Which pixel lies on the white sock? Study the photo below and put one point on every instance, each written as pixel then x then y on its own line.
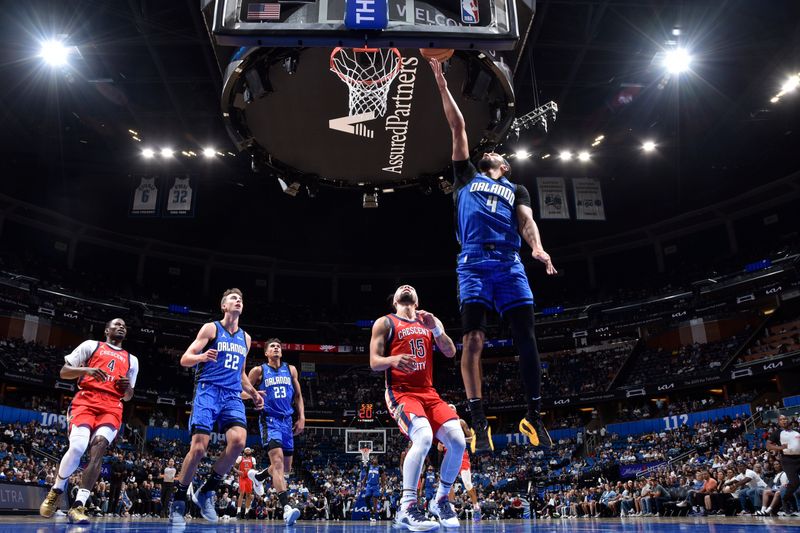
pixel 443 490
pixel 421 436
pixel 452 436
pixel 83 496
pixel 78 442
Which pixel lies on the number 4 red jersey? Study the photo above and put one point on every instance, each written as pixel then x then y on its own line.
pixel 410 337
pixel 115 362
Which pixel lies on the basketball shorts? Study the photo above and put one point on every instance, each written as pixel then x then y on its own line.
pixel 424 403
pixel 216 405
pixel 245 485
pixel 276 432
pixel 93 409
pixel 493 278
pixel 372 491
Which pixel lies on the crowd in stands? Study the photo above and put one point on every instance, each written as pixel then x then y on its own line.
pixel 660 407
pixel 776 340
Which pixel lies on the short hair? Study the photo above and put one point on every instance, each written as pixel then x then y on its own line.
pixel 228 293
pixel 270 341
pixel 108 324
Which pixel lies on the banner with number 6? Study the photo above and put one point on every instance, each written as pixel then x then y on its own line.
pixel 144 200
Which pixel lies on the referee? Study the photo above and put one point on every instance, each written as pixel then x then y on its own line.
pixel 787 441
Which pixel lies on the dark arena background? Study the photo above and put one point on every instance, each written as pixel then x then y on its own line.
pixel 158 152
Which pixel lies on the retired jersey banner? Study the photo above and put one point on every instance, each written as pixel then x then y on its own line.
pixel 180 198
pixel 552 198
pixel 588 199
pixel 145 197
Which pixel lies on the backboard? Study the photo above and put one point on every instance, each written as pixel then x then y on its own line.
pixel 459 24
pixel 355 439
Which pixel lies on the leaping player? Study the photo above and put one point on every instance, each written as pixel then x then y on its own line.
pixel 466 471
pixel 218 356
pixel 402 346
pixel 106 377
pixel 374 480
pixel 245 464
pixel 491 215
pixel 282 397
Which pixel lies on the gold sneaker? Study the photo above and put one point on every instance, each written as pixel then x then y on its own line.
pixel 77 515
pixel 50 504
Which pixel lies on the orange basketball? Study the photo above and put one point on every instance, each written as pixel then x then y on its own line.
pixel 439 54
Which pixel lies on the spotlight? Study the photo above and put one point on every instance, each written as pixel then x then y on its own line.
pixel 583 156
pixel 370 200
pixel 545 156
pixel 791 84
pixel 599 138
pixel 522 154
pixel 54 53
pixel 167 152
pixel 566 155
pixel 208 153
pixel 677 60
pixel 774 99
pixel 648 146
pixel 148 153
pixel 676 31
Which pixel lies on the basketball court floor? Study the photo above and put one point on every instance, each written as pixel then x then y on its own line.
pixel 18 524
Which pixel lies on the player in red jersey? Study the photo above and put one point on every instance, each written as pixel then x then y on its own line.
pixel 402 346
pixel 106 376
pixel 245 463
pixel 466 470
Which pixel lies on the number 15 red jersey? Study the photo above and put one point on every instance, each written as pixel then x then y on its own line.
pixel 410 337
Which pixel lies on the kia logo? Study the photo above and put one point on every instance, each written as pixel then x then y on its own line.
pixel 666 387
pixel 561 402
pixel 773 366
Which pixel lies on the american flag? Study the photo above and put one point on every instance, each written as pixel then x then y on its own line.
pixel 263 11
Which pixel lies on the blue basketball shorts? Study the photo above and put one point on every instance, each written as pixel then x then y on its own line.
pixel 493 278
pixel 213 404
pixel 372 491
pixel 276 432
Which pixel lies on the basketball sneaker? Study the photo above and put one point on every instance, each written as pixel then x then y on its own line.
pixel 533 427
pixel 443 510
pixel 50 504
pixel 205 501
pixel 77 515
pixel 481 438
pixel 258 486
pixel 414 519
pixel 290 515
pixel 176 513
pixel 476 514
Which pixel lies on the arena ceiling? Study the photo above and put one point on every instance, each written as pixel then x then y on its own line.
pixel 148 66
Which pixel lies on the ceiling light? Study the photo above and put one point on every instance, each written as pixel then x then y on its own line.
pixel 522 154
pixel 648 146
pixel 148 153
pixel 774 99
pixel 566 155
pixel 583 156
pixel 54 53
pixel 677 60
pixel 209 152
pixel 599 138
pixel 676 31
pixel 167 152
pixel 791 84
pixel 545 156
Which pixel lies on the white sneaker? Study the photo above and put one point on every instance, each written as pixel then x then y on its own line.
pixel 443 510
pixel 290 515
pixel 258 486
pixel 413 519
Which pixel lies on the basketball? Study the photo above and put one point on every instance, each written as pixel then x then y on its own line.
pixel 439 54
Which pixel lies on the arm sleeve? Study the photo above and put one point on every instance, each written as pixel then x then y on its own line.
pixel 133 372
pixel 463 172
pixel 81 354
pixel 522 196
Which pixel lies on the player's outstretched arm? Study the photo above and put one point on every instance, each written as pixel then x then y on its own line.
pixel 530 232
pixel 454 117
pixel 443 341
pixel 377 348
pixel 194 353
pixel 299 405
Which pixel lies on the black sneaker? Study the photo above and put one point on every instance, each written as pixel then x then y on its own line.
pixel 481 438
pixel 533 427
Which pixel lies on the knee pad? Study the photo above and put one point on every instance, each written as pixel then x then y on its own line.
pixel 79 439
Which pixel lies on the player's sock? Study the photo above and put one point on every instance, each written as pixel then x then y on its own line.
pixel 212 482
pixel 475 406
pixel 180 491
pixel 522 331
pixel 534 408
pixel 283 497
pixel 78 442
pixel 443 491
pixel 409 496
pixel 60 484
pixel 81 498
pixel 421 436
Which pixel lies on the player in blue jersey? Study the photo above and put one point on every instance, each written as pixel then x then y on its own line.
pixel 491 215
pixel 429 484
pixel 373 478
pixel 218 356
pixel 282 398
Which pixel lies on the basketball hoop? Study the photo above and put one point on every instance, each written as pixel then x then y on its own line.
pixel 368 73
pixel 365 454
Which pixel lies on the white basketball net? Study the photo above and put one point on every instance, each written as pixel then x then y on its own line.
pixel 365 455
pixel 368 73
